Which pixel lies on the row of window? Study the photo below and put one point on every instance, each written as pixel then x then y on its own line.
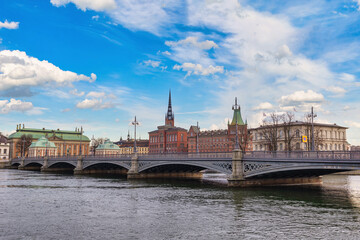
pixel 325 147
pixel 322 134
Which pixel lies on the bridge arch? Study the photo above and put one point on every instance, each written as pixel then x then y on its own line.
pixel 197 166
pixel 291 171
pixel 106 165
pixel 64 165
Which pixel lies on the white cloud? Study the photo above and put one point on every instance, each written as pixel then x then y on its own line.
pixel 152 63
pixel 336 90
pixel 76 93
pixel 347 77
pixel 358 3
pixel 193 41
pixel 95 104
pixel 264 106
pixel 299 97
pixel 20 70
pixel 166 53
pixel 9 25
pixel 96 17
pixel 146 15
pixel 14 105
pixel 96 94
pixel 97 5
pixel 198 69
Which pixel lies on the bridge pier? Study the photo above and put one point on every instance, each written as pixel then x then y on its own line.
pixel 133 173
pixel 237 176
pixel 45 165
pixel 79 166
pixel 22 164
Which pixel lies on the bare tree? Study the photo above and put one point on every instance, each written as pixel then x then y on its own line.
pixel 245 138
pixel 288 119
pixel 23 145
pixel 95 143
pixel 270 131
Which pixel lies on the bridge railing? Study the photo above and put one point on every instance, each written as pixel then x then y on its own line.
pixel 187 156
pixel 303 155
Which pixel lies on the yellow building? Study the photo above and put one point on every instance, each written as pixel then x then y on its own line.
pixel 127 147
pixel 67 142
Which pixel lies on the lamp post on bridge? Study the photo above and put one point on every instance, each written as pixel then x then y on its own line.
pixel 312 116
pixel 135 122
pixel 236 107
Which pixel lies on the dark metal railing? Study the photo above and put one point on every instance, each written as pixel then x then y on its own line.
pixel 303 155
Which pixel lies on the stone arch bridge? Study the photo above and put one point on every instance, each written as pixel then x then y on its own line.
pixel 244 169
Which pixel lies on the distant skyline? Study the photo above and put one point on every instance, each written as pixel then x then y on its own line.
pixel 98 63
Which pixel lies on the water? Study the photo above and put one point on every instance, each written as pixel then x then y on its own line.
pixel 35 205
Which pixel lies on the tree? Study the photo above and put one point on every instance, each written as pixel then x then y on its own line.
pixel 270 130
pixel 23 145
pixel 95 143
pixel 288 120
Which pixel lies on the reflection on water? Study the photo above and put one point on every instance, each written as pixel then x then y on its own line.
pixel 48 206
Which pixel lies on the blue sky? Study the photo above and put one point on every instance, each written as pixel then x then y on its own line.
pixel 98 63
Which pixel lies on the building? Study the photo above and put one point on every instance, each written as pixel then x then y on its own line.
pixel 107 148
pixel 127 146
pixel 220 140
pixel 168 138
pixel 66 142
pixel 42 147
pixel 327 137
pixel 4 148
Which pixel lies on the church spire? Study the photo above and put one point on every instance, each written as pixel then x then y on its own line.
pixel 169 117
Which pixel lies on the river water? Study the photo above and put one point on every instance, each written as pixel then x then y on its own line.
pixel 36 205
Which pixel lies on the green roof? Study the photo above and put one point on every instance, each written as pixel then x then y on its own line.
pixel 237 116
pixel 38 133
pixel 108 145
pixel 43 142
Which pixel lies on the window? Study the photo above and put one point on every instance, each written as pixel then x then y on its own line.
pixel 5 151
pixel 182 137
pixel 281 147
pixel 297 133
pixel 297 144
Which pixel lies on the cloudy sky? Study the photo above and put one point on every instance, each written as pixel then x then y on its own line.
pixel 98 63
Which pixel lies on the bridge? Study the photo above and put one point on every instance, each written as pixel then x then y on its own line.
pixel 242 169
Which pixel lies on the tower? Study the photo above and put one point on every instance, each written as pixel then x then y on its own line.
pixel 169 116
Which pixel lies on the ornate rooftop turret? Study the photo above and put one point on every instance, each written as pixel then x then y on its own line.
pixel 237 115
pixel 169 116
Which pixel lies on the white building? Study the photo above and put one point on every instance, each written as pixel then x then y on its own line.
pixel 327 137
pixel 4 148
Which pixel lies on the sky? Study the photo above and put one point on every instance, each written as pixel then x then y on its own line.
pixel 99 63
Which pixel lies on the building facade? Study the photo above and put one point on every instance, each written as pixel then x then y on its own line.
pixel 127 146
pixel 221 140
pixel 68 143
pixel 327 137
pixel 42 147
pixel 168 138
pixel 4 148
pixel 107 148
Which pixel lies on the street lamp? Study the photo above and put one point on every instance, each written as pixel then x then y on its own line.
pixel 312 116
pixel 236 107
pixel 81 132
pixel 135 123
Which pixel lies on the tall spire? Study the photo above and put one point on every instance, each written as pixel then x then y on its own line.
pixel 169 117
pixel 237 119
